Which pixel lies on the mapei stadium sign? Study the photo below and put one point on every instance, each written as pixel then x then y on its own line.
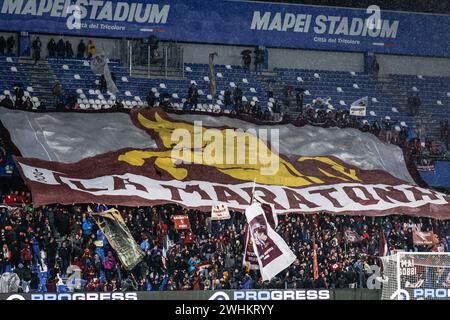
pixel 199 166
pixel 234 22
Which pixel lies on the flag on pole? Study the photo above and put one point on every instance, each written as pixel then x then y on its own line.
pixel 99 65
pixel 272 252
pixel 384 249
pixel 250 259
pixel 315 263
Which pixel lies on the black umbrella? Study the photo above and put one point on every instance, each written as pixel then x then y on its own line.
pixel 245 52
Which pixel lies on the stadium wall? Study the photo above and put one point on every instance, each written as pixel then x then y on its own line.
pixel 313 59
pixel 427 66
pixel 279 57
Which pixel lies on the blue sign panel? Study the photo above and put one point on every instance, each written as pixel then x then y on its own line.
pixel 236 23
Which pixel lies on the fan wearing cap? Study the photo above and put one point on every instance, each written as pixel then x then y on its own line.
pixel 365 126
pixel 388 126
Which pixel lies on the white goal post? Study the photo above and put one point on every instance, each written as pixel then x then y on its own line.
pixel 416 276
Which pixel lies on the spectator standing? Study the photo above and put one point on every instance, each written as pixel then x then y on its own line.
pixel 58 93
pixel 246 59
pixel 269 90
pixel 91 49
pixel 259 60
pixel 193 95
pixel 417 103
pixel 36 46
pixel 2 45
pixel 403 136
pixel 61 49
pixel 410 104
pixel 10 44
pixel 7 102
pixel 18 91
pixel 375 67
pixel 81 49
pixel 69 50
pixel 388 127
pixel 227 98
pixel 237 96
pixel 28 104
pixel 109 264
pixel 51 47
pixel 64 255
pixel 151 98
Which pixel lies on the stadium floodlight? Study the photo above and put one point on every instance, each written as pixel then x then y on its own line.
pixel 416 276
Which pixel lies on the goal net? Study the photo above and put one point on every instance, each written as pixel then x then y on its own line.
pixel 416 276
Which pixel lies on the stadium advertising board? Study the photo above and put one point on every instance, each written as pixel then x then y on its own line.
pixel 197 167
pixel 236 23
pixel 250 295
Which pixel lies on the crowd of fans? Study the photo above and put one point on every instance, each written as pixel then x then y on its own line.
pixel 62 49
pixel 46 246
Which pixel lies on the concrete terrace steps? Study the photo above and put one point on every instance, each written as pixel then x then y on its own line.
pixel 40 76
pixel 399 96
pixel 390 87
pixel 156 72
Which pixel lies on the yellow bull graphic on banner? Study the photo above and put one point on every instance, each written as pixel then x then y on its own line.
pixel 238 154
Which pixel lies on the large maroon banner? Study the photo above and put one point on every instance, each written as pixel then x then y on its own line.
pixel 191 166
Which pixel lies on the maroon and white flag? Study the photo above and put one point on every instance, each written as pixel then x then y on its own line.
pixel 272 252
pixel 250 259
pixel 424 238
pixel 351 236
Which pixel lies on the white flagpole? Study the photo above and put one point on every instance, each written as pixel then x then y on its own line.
pixel 253 192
